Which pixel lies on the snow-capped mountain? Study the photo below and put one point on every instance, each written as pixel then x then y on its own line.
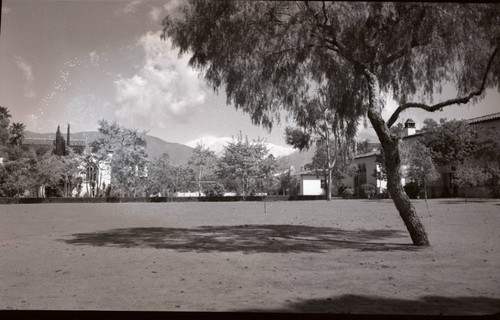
pixel 217 145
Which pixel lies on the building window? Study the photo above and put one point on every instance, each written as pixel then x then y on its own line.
pixel 92 173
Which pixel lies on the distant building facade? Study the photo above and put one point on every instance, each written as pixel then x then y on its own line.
pixel 95 175
pixel 442 187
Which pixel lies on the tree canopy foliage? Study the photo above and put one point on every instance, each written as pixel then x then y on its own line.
pixel 16 132
pixel 4 125
pixel 269 56
pixel 127 149
pixel 203 161
pixel 247 161
pixel 421 168
pixel 452 142
pixel 165 176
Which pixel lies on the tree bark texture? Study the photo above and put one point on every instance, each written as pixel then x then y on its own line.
pixel 329 185
pixel 393 163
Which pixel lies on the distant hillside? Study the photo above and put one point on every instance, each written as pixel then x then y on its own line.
pixel 297 159
pixel 217 145
pixel 177 152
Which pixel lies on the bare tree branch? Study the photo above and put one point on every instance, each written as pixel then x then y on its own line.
pixel 446 103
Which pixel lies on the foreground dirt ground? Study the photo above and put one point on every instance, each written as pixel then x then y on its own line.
pixel 343 256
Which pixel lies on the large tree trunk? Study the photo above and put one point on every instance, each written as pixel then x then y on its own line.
pixel 393 163
pixel 401 199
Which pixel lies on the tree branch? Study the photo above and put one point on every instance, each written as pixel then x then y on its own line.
pixel 325 21
pixel 343 52
pixel 446 103
pixel 413 44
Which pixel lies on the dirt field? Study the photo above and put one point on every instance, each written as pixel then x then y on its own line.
pixel 343 256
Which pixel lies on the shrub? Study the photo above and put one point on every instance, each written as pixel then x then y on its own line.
pixel 384 194
pixel 348 193
pixel 215 190
pixel 368 190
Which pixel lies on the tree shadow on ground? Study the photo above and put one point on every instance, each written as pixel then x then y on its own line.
pixel 245 238
pixel 426 305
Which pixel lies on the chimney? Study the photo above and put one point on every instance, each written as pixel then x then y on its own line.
pixel 410 127
pixel 67 139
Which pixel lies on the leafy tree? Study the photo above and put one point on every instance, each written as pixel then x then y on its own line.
pixel 129 159
pixel 157 174
pixel 452 142
pixel 165 176
pixel 215 190
pixel 487 154
pixel 398 130
pixel 17 133
pixel 327 117
pixel 421 168
pixel 18 174
pixel 469 176
pixel 59 143
pixel 181 178
pixel 4 125
pixel 246 161
pixel 430 124
pixel 493 178
pixel 335 169
pixel 364 147
pixel 289 184
pixel 267 54
pixel 204 161
pixel 60 173
pixel 368 190
pixel 268 183
pixel 16 178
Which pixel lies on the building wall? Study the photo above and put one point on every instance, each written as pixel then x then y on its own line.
pixel 371 167
pixel 310 185
pixel 437 188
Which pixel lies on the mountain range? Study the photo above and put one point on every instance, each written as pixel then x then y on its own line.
pixel 180 153
pixel 217 145
pixel 177 152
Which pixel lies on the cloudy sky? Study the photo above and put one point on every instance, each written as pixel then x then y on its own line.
pixel 80 61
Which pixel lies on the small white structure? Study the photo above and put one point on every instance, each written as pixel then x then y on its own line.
pixel 189 194
pixel 410 128
pixel 312 184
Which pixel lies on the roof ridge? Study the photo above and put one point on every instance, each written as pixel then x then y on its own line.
pixel 484 117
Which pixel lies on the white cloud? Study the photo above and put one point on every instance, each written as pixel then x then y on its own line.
pixel 131 7
pixel 163 89
pixel 155 13
pixel 171 7
pixel 28 76
pixel 94 58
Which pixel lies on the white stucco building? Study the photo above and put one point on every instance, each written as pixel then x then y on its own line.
pixel 312 184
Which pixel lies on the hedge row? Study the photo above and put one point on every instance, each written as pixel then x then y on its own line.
pixel 157 199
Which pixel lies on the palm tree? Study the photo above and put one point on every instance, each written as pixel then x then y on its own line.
pixel 16 131
pixel 4 115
